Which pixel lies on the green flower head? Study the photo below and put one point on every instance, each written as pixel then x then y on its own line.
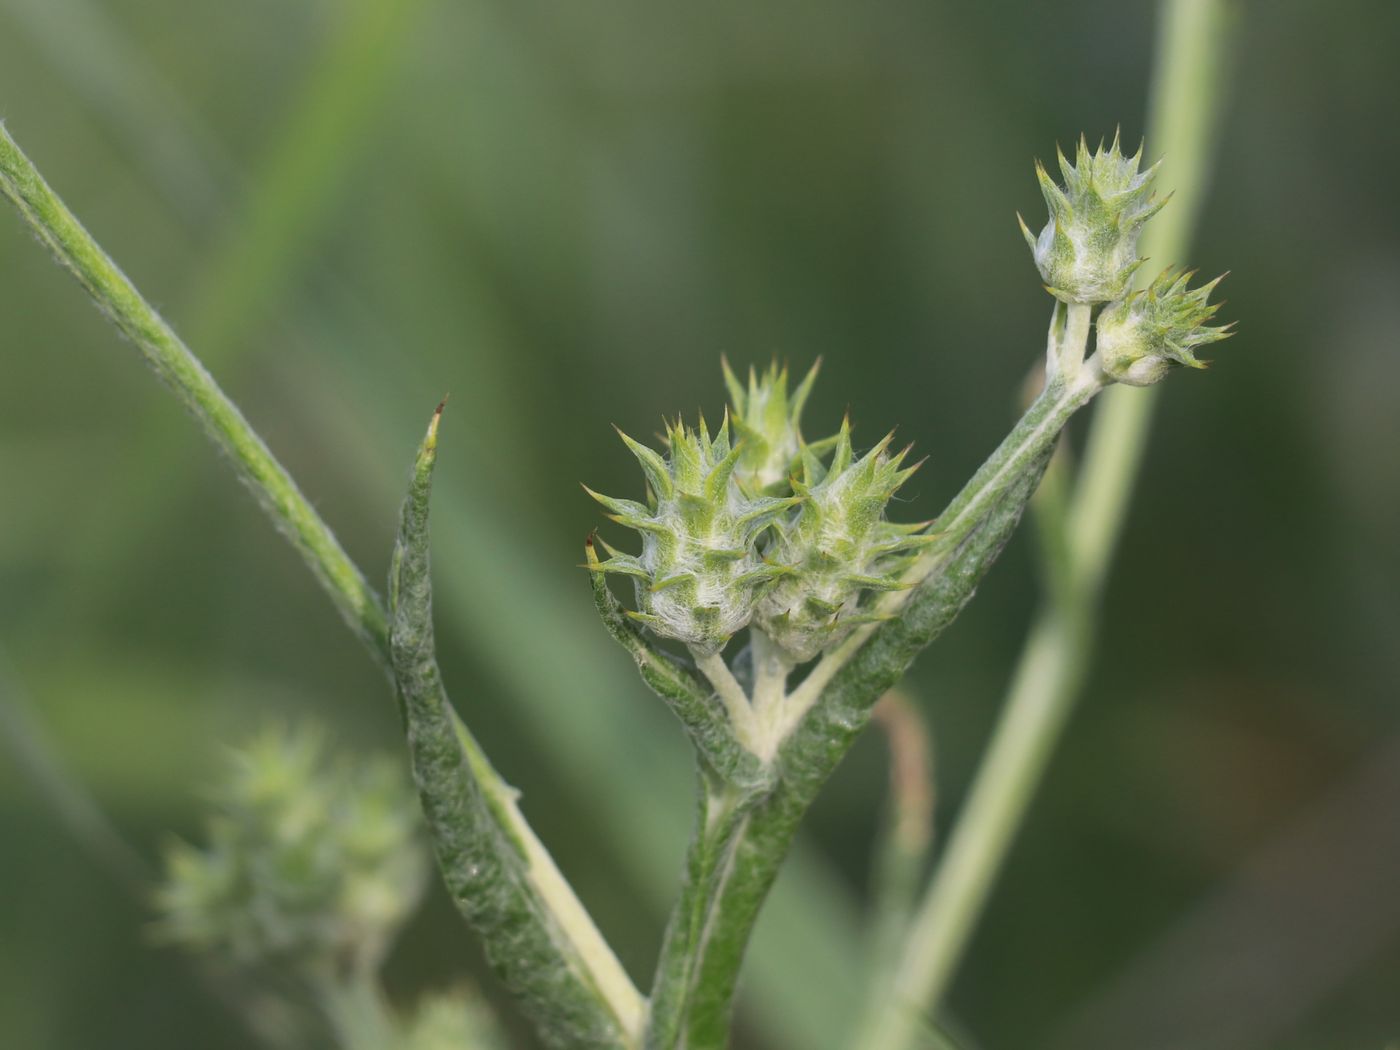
pixel 835 547
pixel 1144 336
pixel 1087 252
pixel 699 572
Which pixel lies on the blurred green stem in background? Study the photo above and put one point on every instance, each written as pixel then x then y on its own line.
pixel 906 835
pixel 1184 109
pixel 34 757
pixel 332 120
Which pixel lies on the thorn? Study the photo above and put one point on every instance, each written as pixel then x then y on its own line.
pixel 430 441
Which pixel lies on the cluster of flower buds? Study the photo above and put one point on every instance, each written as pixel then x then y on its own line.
pixel 311 866
pixel 1087 256
pixel 763 531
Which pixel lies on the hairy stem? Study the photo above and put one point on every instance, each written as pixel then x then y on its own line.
pixel 1028 440
pixel 685 1001
pixel 731 694
pixel 1051 668
pixel 740 842
pixel 770 677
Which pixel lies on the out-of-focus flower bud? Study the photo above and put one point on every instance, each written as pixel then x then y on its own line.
pixel 311 866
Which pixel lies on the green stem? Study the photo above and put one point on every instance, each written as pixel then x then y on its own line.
pixel 731 694
pixel 1028 440
pixel 180 370
pixel 359 1016
pixel 733 862
pixel 689 1009
pixel 1056 655
pixel 1026 445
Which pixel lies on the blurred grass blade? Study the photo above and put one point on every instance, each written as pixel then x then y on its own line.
pixel 333 119
pixel 537 935
pixel 82 40
pixel 181 371
pixel 34 756
pixel 905 839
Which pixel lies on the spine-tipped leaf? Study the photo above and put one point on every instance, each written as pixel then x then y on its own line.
pixel 687 697
pixel 536 934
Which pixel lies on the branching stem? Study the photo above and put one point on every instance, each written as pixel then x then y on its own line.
pixel 731 694
pixel 1185 106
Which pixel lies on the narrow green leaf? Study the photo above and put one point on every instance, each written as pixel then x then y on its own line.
pixel 537 935
pixel 692 701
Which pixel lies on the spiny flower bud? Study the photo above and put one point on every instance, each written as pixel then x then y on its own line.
pixel 836 546
pixel 1142 337
pixel 766 423
pixel 1087 252
pixel 699 572
pixel 311 866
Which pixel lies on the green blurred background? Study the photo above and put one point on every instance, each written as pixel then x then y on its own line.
pixel 562 214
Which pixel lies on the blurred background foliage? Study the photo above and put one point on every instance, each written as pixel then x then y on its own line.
pixel 563 214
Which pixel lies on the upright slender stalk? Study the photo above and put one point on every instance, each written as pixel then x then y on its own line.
pixel 1184 108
